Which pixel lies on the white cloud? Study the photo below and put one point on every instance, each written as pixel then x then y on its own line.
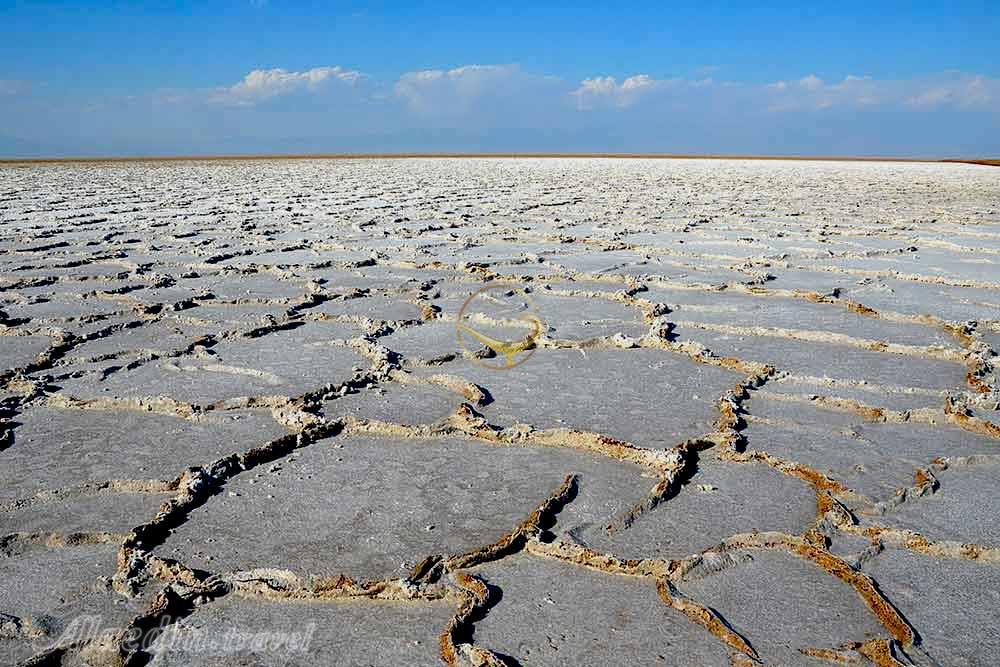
pixel 954 91
pixel 497 94
pixel 812 93
pixel 606 90
pixel 431 90
pixel 503 107
pixel 811 82
pixel 808 82
pixel 263 84
pixel 962 92
pixel 481 89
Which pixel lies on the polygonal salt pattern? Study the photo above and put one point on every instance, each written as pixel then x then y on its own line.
pixel 232 396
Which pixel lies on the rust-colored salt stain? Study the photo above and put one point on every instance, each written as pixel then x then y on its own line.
pixel 960 417
pixel 703 616
pixel 875 652
pixel 880 652
pixel 578 554
pixel 458 631
pixel 834 656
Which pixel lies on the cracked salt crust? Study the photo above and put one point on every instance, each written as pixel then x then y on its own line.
pixel 238 384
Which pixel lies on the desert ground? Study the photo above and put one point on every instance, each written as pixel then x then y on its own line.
pixel 238 425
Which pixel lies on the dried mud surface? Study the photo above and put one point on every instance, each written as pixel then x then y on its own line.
pixel 761 427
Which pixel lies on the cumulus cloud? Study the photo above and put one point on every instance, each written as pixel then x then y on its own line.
pixel 606 90
pixel 960 92
pixel 264 84
pixel 472 88
pixel 422 89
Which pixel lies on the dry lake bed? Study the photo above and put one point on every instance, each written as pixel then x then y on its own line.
pixel 239 424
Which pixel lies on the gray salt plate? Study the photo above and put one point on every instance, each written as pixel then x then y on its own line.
pixel 825 360
pixel 236 367
pixel 49 590
pixel 951 603
pixel 873 459
pixel 20 351
pixel 397 403
pixel 651 398
pixel 57 448
pixel 719 500
pixel 375 507
pixel 553 614
pixel 347 632
pixel 782 604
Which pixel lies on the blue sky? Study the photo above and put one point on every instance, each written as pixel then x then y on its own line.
pixel 267 76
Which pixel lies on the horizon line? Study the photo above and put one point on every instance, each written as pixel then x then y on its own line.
pixel 505 155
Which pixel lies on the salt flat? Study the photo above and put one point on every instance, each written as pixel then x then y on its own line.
pixel 760 425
